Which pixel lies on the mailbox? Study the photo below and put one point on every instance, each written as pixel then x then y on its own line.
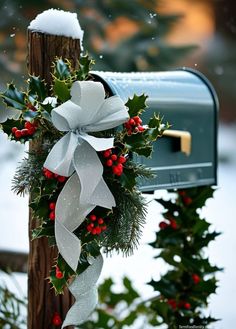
pixel 186 156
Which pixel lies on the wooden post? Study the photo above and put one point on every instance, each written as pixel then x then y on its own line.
pixel 42 302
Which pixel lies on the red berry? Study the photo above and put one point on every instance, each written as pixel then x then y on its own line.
pixel 141 128
pixel 196 278
pixel 127 125
pixel 163 225
pixel 114 157
pixel 121 159
pixel 89 228
pixel 52 205
pixel 59 274
pixel 14 129
pixel 109 163
pixel 131 122
pixel 187 306
pixel 94 231
pixel 52 215
pixel 187 200
pixel 107 153
pixel 28 125
pixel 31 130
pixel 182 193
pixel 100 221
pixel 18 133
pixel 98 230
pixel 93 217
pixel 61 179
pixel 129 132
pixel 172 303
pixel 25 132
pixel 173 224
pixel 118 169
pixel 47 173
pixel 103 227
pixel 137 120
pixel 56 320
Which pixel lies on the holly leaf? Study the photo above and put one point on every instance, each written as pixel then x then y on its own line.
pixel 62 89
pixel 136 105
pixel 29 115
pixel 37 88
pixel 61 70
pixel 46 229
pixel 12 97
pixel 85 65
pixel 138 144
pixel 128 178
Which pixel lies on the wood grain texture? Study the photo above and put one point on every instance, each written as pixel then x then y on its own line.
pixel 42 302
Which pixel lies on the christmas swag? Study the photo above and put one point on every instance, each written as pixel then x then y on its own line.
pixel 80 173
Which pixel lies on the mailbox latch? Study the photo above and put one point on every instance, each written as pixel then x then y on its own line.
pixel 185 139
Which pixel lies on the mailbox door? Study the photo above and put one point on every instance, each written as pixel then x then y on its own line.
pixel 188 102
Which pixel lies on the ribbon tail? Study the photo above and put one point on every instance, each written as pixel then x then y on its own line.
pixel 68 244
pixel 70 214
pixel 83 288
pixel 102 196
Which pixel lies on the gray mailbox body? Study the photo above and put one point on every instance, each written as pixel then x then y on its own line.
pixel 188 102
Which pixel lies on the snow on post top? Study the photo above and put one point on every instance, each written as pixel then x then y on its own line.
pixel 57 22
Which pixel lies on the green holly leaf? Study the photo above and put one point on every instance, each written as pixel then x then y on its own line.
pixel 161 309
pixel 61 70
pixel 37 88
pixel 30 115
pixel 61 89
pixel 165 287
pixel 46 229
pixel 85 65
pixel 128 178
pixel 136 105
pixel 14 98
pixel 139 144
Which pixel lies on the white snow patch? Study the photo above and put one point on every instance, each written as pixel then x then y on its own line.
pixel 58 22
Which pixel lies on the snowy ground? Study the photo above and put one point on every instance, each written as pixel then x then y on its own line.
pixel 220 211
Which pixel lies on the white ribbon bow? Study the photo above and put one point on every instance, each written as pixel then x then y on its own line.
pixel 87 111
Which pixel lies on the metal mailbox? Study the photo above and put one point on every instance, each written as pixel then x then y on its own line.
pixel 186 156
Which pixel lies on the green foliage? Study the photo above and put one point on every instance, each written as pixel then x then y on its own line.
pixel 126 222
pixel 12 309
pixel 37 88
pixel 181 241
pixel 13 97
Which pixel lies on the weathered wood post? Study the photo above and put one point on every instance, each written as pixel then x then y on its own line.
pixel 42 302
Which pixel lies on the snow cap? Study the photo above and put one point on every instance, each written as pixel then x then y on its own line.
pixel 58 22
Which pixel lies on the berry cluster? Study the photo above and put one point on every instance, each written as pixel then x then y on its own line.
pixel 114 161
pixel 96 225
pixel 172 223
pixel 50 175
pixel 56 320
pixel 59 273
pixel 29 130
pixel 52 206
pixel 185 198
pixel 182 304
pixel 134 125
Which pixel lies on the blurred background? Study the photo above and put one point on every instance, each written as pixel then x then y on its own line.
pixel 138 35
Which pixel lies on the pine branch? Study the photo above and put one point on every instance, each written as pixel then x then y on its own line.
pixel 126 223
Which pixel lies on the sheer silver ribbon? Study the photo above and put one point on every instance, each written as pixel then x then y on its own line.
pixel 75 155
